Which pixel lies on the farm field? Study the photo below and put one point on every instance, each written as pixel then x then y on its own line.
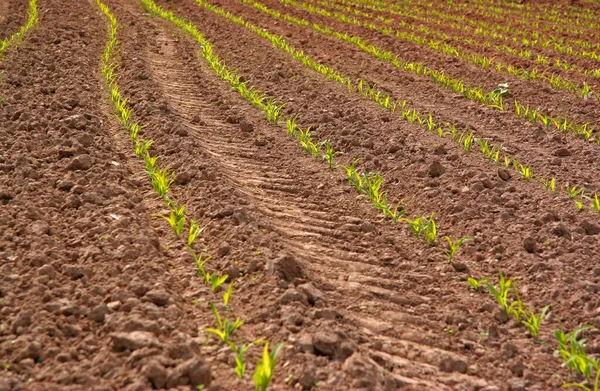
pixel 299 195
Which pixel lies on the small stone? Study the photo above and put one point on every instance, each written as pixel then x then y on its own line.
pixel 562 152
pixel 183 178
pixel 224 212
pixel 327 313
pixel 394 147
pixel 307 379
pixel 501 316
pixel 529 244
pixel 65 185
pixel 288 267
pixel 560 229
pixel 516 385
pixel 305 343
pixel 23 319
pixel 158 297
pixel 517 368
pixel 180 131
pixel 39 228
pixel 460 267
pixel 503 174
pixel 325 343
pixel 224 249
pixel 368 227
pixel 436 169
pixel 245 126
pixel 47 270
pixel 98 313
pixel 32 351
pixel 509 349
pixel 440 150
pixel 450 364
pixel 590 228
pixel 156 374
pixel 134 340
pixel 312 293
pixel 81 162
pixel 292 295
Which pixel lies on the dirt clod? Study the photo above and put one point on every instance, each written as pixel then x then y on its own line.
pixel 436 169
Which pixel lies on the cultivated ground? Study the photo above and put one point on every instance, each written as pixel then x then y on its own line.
pixel 98 292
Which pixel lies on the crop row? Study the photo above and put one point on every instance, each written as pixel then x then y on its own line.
pixel 571 348
pixel 499 24
pixel 465 139
pixel 525 37
pixel 527 17
pixel 368 184
pixel 349 6
pixel 493 99
pixel 15 38
pixel 424 227
pixel 555 12
pixel 161 180
pixel 553 79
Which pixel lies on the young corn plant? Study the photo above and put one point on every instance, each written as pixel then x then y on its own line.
pixel 227 294
pixel 266 367
pixel 548 185
pixel 226 328
pixel 595 203
pixel 573 191
pixel 216 281
pixel 477 284
pixel 240 362
pixel 571 350
pixel 200 261
pixel 525 171
pixel 176 219
pixel 195 230
pixel 533 321
pixel 330 154
pixel 273 111
pixel 453 247
pixel 501 294
pixel 291 126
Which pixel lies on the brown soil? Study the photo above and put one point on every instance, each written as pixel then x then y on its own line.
pixel 97 294
pixel 12 16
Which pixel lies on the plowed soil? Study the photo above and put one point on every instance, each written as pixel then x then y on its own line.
pixel 97 293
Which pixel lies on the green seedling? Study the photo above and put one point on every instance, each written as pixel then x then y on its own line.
pixel 142 147
pixel 525 171
pixel 501 294
pixel 291 126
pixel 200 261
pixel 423 226
pixel 273 111
pixel 571 350
pixel 573 191
pixel 195 230
pixel 533 321
pixel 477 284
pixel 240 362
pixel 216 281
pixel 596 203
pixel 453 247
pixel 579 205
pixel 226 328
pixel 266 367
pixel 330 154
pixel 161 182
pixel 176 220
pixel 227 294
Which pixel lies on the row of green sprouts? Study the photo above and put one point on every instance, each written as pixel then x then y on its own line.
pixel 184 227
pixel 571 348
